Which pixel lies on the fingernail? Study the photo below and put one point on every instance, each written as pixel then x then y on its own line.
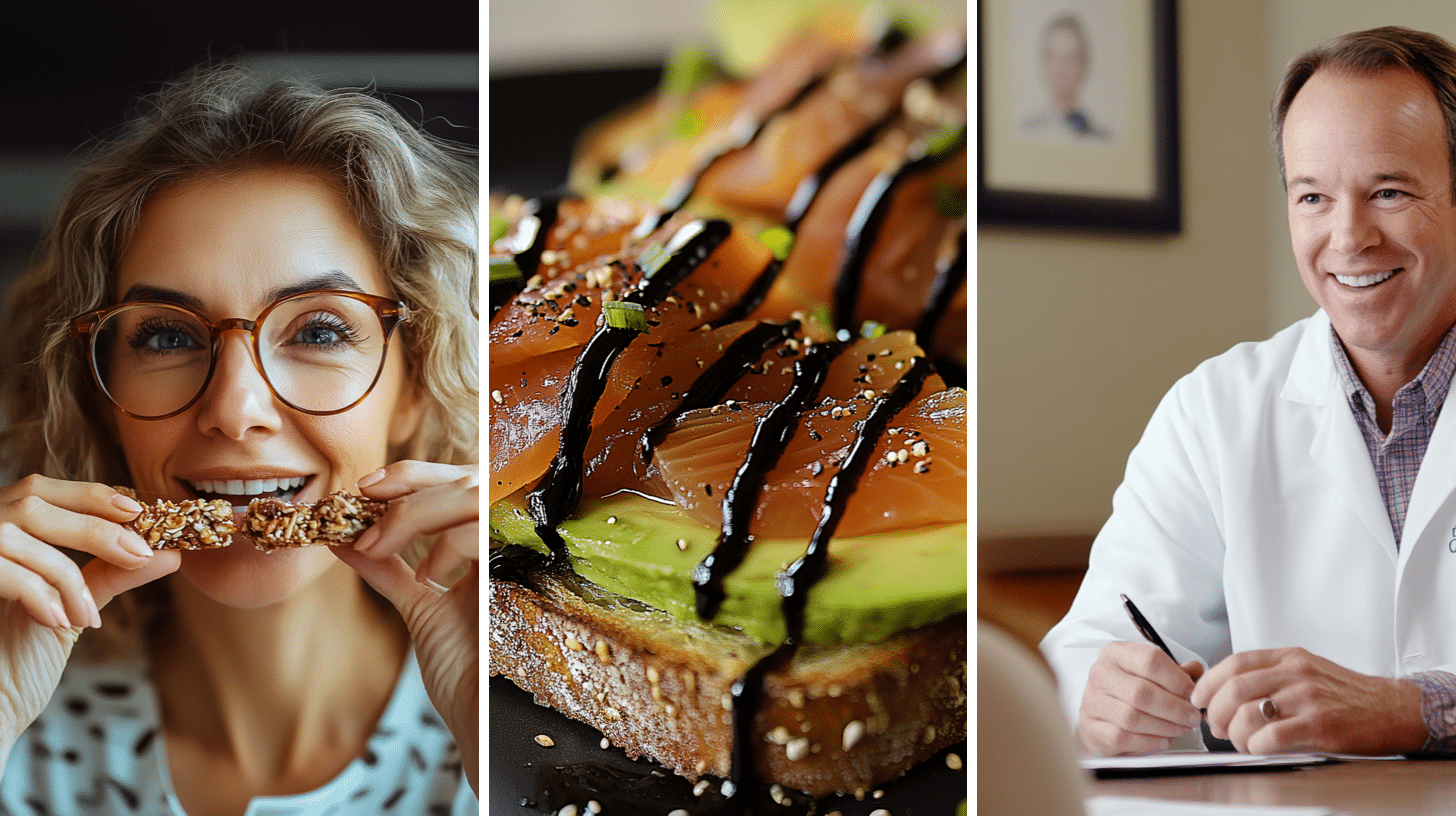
pixel 122 501
pixel 95 612
pixel 132 543
pixel 58 616
pixel 370 478
pixel 366 540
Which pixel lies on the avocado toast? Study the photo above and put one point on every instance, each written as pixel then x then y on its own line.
pixel 728 484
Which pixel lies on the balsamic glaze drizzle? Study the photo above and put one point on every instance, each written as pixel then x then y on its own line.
pixel 559 491
pixel 710 386
pixel 948 279
pixel 529 259
pixel 795 583
pixel 741 135
pixel 864 226
pixel 771 435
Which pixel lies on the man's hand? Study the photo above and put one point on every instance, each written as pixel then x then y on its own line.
pixel 1320 706
pixel 1136 701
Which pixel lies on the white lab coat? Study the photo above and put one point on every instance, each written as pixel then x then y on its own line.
pixel 1250 518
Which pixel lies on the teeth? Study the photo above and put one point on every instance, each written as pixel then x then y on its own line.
pixel 249 487
pixel 1366 280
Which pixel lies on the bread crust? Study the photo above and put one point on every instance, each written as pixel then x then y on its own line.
pixel 837 720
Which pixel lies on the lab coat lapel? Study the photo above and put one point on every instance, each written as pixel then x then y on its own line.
pixel 1434 483
pixel 1338 449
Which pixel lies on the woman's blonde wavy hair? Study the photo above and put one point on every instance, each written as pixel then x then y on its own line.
pixel 416 196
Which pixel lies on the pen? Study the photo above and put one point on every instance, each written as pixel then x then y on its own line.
pixel 1145 628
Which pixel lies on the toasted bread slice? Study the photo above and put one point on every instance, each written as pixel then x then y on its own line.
pixel 836 720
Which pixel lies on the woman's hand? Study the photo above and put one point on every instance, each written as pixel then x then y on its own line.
pixel 443 501
pixel 45 598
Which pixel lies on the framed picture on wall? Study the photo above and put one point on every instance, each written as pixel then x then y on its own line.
pixel 1079 114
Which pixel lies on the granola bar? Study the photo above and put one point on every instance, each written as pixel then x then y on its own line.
pixel 336 519
pixel 193 524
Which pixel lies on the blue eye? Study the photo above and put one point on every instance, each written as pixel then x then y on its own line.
pixel 159 336
pixel 326 330
pixel 1388 195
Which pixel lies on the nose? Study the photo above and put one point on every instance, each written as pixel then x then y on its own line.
pixel 1354 228
pixel 237 401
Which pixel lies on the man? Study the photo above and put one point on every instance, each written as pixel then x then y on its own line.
pixel 1289 517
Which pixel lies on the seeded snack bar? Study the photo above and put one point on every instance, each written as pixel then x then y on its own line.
pixel 193 524
pixel 336 519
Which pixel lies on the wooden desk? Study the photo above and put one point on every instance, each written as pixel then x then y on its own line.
pixel 1358 788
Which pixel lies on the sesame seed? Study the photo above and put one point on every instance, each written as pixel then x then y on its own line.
pixel 652 675
pixel 797 749
pixel 701 788
pixel 953 761
pixel 567 810
pixel 923 466
pixel 854 730
pixel 594 806
pixel 605 743
pixel 497 397
pixel 902 456
pixel 574 644
pixel 544 741
pixel 682 545
pixel 868 393
pixel 604 654
pixel 920 448
pixel 611 519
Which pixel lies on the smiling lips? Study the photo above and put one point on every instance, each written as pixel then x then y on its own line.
pixel 1368 280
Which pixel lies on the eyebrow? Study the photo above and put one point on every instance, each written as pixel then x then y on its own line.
pixel 333 279
pixel 1380 178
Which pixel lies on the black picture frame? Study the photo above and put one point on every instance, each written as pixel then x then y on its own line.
pixel 1064 200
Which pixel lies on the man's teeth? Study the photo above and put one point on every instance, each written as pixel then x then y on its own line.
pixel 248 487
pixel 1366 280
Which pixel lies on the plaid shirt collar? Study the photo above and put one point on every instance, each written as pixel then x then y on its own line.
pixel 1418 400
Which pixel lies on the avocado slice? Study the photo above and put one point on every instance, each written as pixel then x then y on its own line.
pixel 876 585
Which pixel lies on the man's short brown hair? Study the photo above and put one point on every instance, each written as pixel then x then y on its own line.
pixel 1370 52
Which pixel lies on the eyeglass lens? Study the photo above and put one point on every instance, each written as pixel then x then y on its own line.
pixel 319 352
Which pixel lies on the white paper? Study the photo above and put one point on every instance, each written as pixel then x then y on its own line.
pixel 1137 806
pixel 1200 759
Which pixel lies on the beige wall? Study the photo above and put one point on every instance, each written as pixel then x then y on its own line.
pixel 1079 335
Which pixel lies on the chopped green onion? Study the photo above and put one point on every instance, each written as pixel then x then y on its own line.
pixel 687 68
pixel 779 240
pixel 870 329
pixel 499 227
pixel 945 139
pixel 622 314
pixel 652 259
pixel 949 201
pixel 688 124
pixel 822 314
pixel 503 269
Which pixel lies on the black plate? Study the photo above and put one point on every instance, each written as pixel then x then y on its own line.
pixel 526 778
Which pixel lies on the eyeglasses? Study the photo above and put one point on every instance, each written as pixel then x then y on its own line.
pixel 320 352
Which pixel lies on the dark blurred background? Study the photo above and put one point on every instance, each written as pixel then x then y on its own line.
pixel 73 71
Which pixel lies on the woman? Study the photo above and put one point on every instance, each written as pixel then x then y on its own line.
pixel 232 679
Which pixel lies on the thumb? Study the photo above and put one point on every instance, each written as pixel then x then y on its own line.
pixel 1193 669
pixel 107 580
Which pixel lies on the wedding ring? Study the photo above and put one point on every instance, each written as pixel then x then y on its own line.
pixel 1268 709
